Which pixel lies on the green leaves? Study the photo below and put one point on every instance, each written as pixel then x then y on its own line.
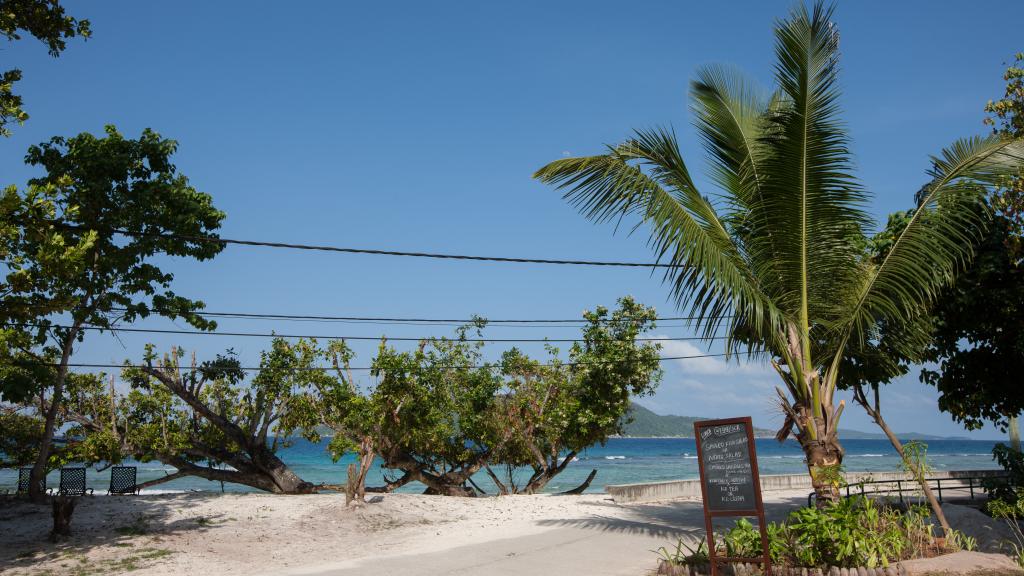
pixel 45 20
pixel 60 249
pixel 776 261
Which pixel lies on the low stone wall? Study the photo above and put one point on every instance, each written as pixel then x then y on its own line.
pixel 675 489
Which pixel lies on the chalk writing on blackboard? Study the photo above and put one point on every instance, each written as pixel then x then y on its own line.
pixel 728 476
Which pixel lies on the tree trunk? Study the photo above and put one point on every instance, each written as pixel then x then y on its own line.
pixel 876 415
pixel 824 458
pixel 63 508
pixel 285 481
pixel 544 475
pixel 390 486
pixel 37 481
pixel 582 487
pixel 272 476
pixel 1014 427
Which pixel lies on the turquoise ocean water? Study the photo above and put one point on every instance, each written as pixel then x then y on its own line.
pixel 620 461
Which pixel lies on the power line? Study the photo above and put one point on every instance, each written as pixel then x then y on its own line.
pixel 408 321
pixel 371 319
pixel 329 337
pixel 377 252
pixel 323 368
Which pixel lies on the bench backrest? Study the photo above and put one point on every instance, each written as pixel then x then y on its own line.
pixel 24 478
pixel 122 480
pixel 72 482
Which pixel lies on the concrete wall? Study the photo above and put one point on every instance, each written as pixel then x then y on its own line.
pixel 672 489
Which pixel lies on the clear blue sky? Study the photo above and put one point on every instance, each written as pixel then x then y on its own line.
pixel 417 126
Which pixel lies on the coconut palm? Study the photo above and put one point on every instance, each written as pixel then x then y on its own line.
pixel 775 260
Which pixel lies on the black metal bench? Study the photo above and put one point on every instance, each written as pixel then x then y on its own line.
pixel 25 479
pixel 72 482
pixel 123 480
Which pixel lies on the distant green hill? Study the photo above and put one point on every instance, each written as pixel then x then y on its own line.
pixel 646 423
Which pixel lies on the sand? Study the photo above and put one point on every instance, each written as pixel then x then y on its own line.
pixel 395 534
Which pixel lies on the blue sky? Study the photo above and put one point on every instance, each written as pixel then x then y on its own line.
pixel 417 126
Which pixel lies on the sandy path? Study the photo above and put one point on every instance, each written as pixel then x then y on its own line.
pixel 397 534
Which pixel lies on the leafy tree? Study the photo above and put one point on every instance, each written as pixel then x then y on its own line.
pixel 551 412
pixel 431 410
pixel 978 337
pixel 199 417
pixel 78 245
pixel 45 20
pixel 775 262
pixel 977 344
pixel 19 436
pixel 1006 116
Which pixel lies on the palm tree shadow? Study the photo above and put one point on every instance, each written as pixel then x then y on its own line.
pixel 672 520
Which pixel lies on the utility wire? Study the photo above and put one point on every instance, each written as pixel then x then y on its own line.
pixel 322 368
pixel 410 321
pixel 323 337
pixel 369 319
pixel 321 248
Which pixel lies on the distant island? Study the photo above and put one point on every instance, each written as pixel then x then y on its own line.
pixel 644 423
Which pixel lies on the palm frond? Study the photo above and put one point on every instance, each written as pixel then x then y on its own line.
pixel 707 270
pixel 939 238
pixel 730 118
pixel 810 206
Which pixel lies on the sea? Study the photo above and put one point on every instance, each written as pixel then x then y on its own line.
pixel 618 461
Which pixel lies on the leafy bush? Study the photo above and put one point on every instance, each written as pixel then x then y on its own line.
pixel 856 531
pixel 1007 489
pixel 1012 511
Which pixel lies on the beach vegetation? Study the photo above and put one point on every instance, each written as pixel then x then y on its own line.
pixel 774 262
pixel 440 414
pixel 854 532
pixel 69 269
pixel 202 418
pixel 551 411
pixel 1011 511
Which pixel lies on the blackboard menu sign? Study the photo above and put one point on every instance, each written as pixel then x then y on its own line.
pixel 729 480
pixel 728 474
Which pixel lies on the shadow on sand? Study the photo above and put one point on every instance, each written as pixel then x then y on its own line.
pixel 670 520
pixel 132 523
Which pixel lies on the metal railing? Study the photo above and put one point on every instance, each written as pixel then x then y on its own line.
pixel 910 486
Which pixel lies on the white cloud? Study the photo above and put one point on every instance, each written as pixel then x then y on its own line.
pixel 709 365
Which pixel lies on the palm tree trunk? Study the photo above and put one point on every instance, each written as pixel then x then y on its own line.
pixel 824 458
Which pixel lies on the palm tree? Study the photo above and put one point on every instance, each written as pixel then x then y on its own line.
pixel 775 260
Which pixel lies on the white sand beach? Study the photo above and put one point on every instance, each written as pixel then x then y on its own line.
pixel 203 533
pixel 395 534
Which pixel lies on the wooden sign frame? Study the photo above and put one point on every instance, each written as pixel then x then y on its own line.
pixel 758 509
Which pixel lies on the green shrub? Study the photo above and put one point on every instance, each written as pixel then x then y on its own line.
pixel 1006 489
pixel 857 531
pixel 1012 511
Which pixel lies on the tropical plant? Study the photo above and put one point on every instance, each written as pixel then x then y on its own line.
pixel 855 532
pixel 1012 512
pixel 776 261
pixel 550 412
pixel 683 554
pixel 80 247
pixel 1009 487
pixel 204 419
